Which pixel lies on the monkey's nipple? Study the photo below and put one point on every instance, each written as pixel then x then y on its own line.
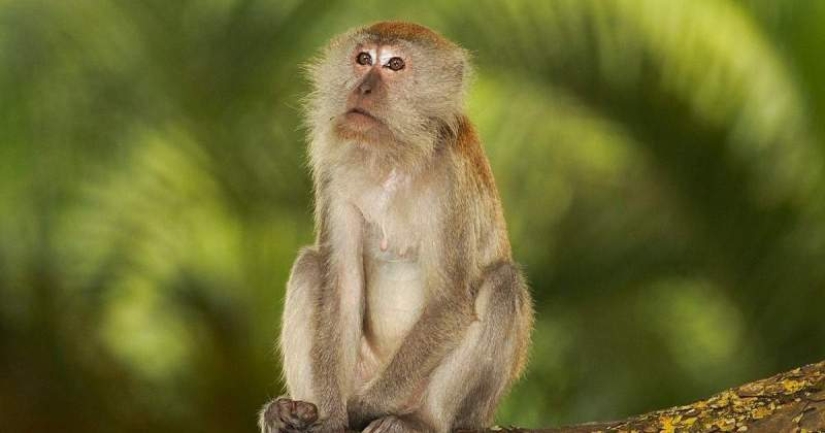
pixel 385 243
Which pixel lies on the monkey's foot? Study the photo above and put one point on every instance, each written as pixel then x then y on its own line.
pixel 394 424
pixel 283 415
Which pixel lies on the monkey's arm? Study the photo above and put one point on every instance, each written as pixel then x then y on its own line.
pixel 326 356
pixel 336 325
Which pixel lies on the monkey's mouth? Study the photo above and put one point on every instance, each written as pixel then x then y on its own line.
pixel 359 120
pixel 360 112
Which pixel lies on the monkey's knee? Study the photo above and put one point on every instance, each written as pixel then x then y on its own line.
pixel 508 319
pixel 306 273
pixel 304 283
pixel 502 296
pixel 496 347
pixel 296 326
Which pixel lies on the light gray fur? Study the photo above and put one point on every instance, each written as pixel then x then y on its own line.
pixel 408 314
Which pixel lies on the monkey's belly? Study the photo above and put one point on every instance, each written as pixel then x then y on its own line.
pixel 395 296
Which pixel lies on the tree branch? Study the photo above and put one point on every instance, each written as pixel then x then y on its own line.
pixel 793 401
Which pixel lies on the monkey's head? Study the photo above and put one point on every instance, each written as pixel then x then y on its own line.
pixel 387 92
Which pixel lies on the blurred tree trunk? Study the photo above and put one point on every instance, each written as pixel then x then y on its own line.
pixel 789 402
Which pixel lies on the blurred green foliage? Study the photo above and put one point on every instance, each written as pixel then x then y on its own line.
pixel 661 164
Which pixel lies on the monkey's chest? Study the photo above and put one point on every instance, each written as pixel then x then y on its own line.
pixel 395 294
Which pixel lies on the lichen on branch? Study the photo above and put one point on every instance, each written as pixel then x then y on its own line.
pixel 793 401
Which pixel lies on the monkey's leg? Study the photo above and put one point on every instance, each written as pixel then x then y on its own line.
pixel 294 412
pixel 464 391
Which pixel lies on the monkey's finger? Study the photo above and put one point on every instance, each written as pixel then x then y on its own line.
pixel 285 413
pixel 272 416
pixel 306 412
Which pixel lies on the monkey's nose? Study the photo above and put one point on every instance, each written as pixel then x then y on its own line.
pixel 365 88
pixel 369 83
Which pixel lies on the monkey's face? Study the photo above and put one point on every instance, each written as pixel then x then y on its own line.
pixel 388 96
pixel 378 70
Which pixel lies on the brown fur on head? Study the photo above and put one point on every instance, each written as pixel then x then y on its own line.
pixel 377 114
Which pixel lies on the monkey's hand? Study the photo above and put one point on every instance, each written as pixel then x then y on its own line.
pixel 283 415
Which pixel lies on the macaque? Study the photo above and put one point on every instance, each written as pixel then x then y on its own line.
pixel 408 313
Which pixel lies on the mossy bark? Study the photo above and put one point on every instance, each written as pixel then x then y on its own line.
pixel 793 401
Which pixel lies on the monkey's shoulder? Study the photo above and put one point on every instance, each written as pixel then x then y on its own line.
pixel 468 149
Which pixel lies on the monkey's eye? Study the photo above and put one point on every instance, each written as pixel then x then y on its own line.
pixel 364 59
pixel 396 64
